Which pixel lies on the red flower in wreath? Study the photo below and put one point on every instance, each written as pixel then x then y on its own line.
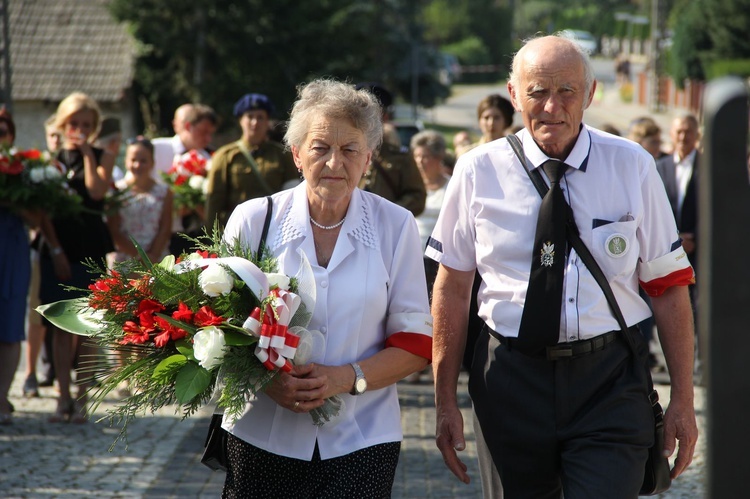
pixel 169 332
pixel 207 317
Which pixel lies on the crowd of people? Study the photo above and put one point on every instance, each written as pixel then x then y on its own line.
pixel 364 209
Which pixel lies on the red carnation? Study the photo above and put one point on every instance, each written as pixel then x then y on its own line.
pixel 183 313
pixel 149 307
pixel 207 317
pixel 29 154
pixel 137 335
pixel 169 332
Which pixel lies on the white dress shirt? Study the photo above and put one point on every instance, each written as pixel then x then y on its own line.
pixel 165 151
pixel 427 219
pixel 372 290
pixel 488 222
pixel 683 172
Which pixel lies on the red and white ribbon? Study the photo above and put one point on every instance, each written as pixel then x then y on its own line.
pixel 276 344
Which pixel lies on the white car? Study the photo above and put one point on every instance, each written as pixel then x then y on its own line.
pixel 583 39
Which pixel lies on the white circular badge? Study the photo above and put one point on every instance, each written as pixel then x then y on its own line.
pixel 616 245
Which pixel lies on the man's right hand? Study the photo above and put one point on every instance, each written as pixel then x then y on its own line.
pixel 449 436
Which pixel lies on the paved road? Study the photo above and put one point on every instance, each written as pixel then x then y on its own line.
pixel 44 460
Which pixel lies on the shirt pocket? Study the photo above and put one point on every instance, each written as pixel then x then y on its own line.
pixel 615 247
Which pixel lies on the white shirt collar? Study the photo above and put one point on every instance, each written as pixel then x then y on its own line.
pixel 687 160
pixel 578 157
pixel 295 222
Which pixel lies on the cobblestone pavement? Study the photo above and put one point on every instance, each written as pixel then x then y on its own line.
pixel 45 460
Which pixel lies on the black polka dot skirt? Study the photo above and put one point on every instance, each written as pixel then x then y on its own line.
pixel 255 473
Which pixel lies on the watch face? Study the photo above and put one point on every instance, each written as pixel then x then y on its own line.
pixel 361 385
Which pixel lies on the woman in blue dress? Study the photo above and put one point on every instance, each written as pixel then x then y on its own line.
pixel 15 272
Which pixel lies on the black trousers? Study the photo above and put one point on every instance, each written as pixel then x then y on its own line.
pixel 581 427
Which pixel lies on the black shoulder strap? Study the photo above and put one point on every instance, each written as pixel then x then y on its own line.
pixel 575 239
pixel 266 224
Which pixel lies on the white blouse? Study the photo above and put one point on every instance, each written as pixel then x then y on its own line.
pixel 373 288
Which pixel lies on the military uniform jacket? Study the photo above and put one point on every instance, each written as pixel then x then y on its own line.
pixel 232 181
pixel 398 179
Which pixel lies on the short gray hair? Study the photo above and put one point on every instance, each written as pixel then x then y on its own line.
pixel 433 141
pixel 335 100
pixel 588 68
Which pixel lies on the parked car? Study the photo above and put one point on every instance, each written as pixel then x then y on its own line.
pixel 583 39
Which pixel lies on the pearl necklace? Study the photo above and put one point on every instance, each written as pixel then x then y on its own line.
pixel 327 227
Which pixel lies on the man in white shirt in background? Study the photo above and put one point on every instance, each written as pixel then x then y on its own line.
pixel 194 126
pixel 679 173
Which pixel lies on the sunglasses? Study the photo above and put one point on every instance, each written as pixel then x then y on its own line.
pixel 4 132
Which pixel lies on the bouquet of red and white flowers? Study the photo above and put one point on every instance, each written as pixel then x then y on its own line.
pixel 31 179
pixel 216 322
pixel 187 179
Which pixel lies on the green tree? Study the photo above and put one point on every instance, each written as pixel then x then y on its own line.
pixel 215 51
pixel 691 41
pixel 708 33
pixel 475 31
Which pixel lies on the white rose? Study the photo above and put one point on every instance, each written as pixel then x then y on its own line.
pixel 208 347
pixel 215 281
pixel 48 172
pixel 196 182
pixel 279 280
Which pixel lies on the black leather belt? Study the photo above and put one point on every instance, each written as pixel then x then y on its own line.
pixel 563 351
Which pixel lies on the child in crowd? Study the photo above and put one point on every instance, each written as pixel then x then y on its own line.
pixel 146 212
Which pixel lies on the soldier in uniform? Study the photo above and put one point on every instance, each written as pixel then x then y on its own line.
pixel 252 167
pixel 392 173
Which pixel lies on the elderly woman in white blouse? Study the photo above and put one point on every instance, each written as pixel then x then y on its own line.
pixel 371 307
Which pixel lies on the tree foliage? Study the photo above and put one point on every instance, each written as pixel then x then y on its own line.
pixel 707 32
pixel 475 31
pixel 596 16
pixel 215 51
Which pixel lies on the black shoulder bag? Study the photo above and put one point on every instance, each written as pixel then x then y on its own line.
pixel 657 478
pixel 215 448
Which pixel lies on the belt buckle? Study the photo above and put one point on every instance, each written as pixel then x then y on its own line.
pixel 559 352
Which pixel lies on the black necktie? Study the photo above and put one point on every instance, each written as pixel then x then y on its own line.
pixel 540 323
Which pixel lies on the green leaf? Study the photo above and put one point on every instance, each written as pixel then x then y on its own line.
pixel 182 325
pixel 164 367
pixel 73 316
pixel 185 348
pixel 143 255
pixel 235 339
pixel 192 380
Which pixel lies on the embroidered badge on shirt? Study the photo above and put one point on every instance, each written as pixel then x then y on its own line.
pixel 616 245
pixel 548 254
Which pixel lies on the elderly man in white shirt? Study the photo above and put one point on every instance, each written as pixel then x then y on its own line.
pixel 194 126
pixel 572 416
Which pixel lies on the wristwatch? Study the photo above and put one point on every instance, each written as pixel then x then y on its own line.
pixel 360 383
